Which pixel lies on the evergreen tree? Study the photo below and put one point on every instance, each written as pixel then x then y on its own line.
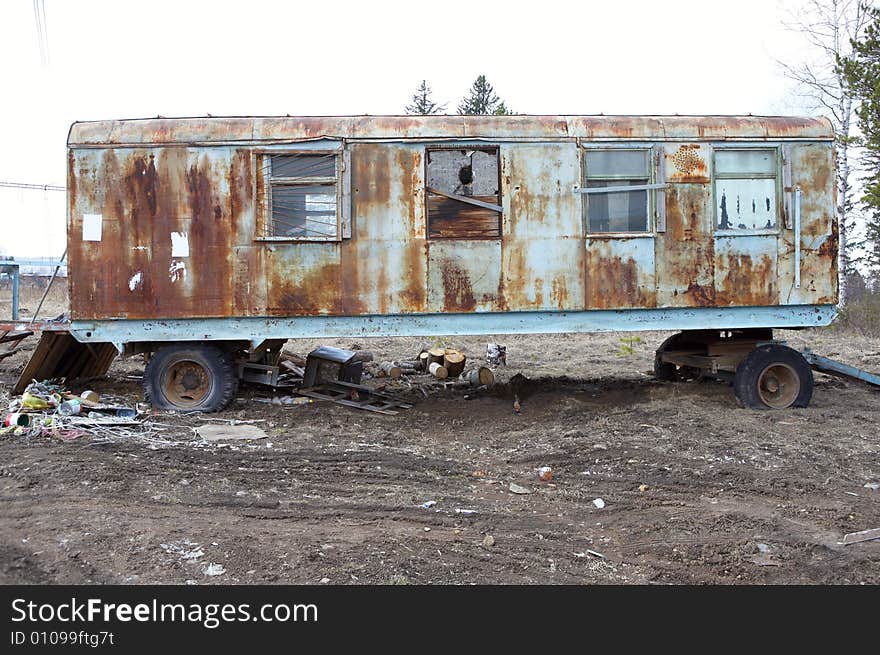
pixel 482 100
pixel 862 73
pixel 422 103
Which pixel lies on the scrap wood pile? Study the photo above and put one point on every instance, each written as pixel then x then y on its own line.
pixel 49 409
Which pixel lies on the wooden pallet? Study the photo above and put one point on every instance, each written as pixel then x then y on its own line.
pixel 368 399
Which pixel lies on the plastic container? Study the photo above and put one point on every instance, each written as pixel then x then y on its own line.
pixel 19 419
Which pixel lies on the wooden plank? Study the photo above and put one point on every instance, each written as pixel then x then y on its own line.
pixel 864 535
pixel 467 199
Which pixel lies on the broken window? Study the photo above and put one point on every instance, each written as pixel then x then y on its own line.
pixel 617 211
pixel 745 189
pixel 463 193
pixel 301 196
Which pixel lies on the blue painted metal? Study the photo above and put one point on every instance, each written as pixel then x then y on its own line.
pixel 834 367
pixel 12 269
pixel 256 329
pixel 797 237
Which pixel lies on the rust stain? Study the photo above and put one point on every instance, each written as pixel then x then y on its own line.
pixel 747 283
pixel 616 282
pixel 316 292
pixel 559 292
pixel 458 294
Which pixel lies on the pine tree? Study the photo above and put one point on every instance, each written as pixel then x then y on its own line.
pixel 862 73
pixel 422 103
pixel 482 100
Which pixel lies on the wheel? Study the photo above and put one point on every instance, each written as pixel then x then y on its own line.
pixel 774 377
pixel 670 372
pixel 188 377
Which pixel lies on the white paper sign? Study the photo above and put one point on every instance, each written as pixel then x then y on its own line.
pixel 179 244
pixel 92 227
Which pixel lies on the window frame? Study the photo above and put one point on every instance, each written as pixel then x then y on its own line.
pixel 775 175
pixel 266 226
pixel 483 147
pixel 650 177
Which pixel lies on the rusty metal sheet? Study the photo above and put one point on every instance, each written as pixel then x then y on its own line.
pixel 543 245
pixel 684 254
pixel 386 259
pixel 193 131
pixel 620 273
pixel 812 168
pixel 464 276
pixel 745 270
pixel 687 163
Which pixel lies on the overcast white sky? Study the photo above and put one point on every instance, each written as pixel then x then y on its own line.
pixel 120 59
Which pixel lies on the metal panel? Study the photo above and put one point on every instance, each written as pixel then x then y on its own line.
pixel 464 276
pixel 542 248
pixel 745 270
pixel 620 273
pixel 194 131
pixel 258 329
pixel 812 170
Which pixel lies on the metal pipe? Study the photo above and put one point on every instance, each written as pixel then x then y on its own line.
pixel 797 237
pixel 15 291
pixel 48 286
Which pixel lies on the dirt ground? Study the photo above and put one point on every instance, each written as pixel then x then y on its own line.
pixel 695 489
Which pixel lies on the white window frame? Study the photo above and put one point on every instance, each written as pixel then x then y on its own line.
pixel 776 176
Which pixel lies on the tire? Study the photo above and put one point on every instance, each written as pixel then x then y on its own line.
pixel 191 378
pixel 773 377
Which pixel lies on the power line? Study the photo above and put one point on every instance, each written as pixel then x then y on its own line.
pixel 42 31
pixel 39 187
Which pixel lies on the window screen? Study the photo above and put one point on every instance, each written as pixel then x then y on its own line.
pixel 612 211
pixel 302 196
pixel 463 199
pixel 745 189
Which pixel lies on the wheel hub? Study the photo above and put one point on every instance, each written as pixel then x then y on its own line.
pixel 779 386
pixel 186 383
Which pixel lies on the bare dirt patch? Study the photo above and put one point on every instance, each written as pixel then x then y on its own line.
pixel 695 489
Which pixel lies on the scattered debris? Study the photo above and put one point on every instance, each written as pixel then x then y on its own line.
pixel 643 487
pixel 240 432
pixel 214 569
pixel 864 535
pixel 763 559
pixel 488 541
pixel 515 488
pixel 48 408
pixel 599 503
pixel 545 474
pixel 590 552
pixel 872 485
pixel 496 354
pixel 428 505
pixel 465 511
pixel 764 548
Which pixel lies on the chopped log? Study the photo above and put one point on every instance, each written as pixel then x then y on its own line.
pixel 454 362
pixel 480 377
pixel 293 368
pixel 407 364
pixel 293 357
pixel 438 371
pixel 390 370
pixel 361 356
pixel 423 361
pixel 435 355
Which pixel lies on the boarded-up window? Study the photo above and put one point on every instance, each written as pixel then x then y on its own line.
pixel 745 189
pixel 301 196
pixel 463 193
pixel 617 211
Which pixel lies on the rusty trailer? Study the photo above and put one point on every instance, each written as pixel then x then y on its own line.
pixel 206 242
